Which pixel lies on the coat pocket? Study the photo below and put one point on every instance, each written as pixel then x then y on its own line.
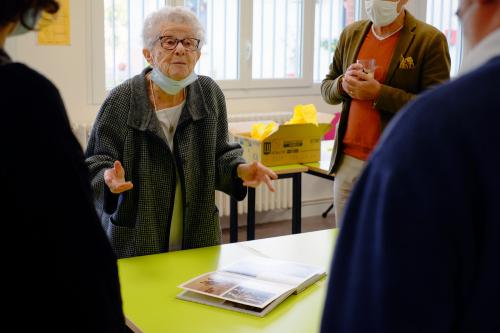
pixel 121 238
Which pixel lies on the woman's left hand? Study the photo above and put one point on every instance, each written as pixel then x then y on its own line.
pixel 255 173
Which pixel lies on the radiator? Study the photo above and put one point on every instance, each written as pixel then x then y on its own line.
pixel 264 199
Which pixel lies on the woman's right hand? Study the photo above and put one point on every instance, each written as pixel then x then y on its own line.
pixel 115 179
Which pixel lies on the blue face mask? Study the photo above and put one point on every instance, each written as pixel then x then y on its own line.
pixel 170 86
pixel 30 18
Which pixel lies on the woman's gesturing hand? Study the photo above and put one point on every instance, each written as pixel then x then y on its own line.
pixel 115 179
pixel 255 173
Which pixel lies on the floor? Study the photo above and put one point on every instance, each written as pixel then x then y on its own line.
pixel 281 228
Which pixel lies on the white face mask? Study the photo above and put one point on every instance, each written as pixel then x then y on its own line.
pixel 381 12
pixel 31 18
pixel 171 86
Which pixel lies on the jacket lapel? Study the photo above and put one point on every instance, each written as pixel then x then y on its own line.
pixel 356 42
pixel 195 107
pixel 141 115
pixel 405 39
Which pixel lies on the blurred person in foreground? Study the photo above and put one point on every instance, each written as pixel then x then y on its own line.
pixel 59 270
pixel 419 250
pixel 159 147
pixel 408 56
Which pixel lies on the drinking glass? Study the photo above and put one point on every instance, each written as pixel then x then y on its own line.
pixel 369 66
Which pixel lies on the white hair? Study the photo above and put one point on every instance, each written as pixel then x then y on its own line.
pixel 178 14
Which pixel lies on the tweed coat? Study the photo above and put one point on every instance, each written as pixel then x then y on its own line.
pixel 138 221
pixel 419 43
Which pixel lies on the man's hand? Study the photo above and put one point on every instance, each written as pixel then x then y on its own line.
pixel 255 173
pixel 360 85
pixel 115 179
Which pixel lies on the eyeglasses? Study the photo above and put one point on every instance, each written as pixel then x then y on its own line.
pixel 170 43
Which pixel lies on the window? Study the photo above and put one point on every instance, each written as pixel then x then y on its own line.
pixel 277 39
pixel 276 43
pixel 256 43
pixel 219 57
pixel 267 46
pixel 122 36
pixel 327 32
pixel 441 14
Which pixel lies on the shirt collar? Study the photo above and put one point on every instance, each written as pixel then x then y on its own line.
pixel 487 49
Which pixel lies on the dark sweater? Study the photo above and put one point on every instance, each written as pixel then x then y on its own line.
pixel 420 246
pixel 59 271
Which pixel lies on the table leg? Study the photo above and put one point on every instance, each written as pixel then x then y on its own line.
pixel 251 214
pixel 296 203
pixel 233 220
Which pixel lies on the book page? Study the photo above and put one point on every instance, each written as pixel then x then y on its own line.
pixel 274 270
pixel 238 289
pixel 229 305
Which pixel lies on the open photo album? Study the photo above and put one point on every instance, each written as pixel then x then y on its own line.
pixel 254 285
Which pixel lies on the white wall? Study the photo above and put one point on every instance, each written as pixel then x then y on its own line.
pixel 66 66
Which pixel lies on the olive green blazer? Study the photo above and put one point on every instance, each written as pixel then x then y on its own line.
pixel 421 59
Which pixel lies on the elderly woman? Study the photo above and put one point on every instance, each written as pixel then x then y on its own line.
pixel 165 131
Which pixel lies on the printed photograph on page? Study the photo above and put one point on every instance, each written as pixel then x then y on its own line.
pixel 212 284
pixel 256 293
pixel 242 290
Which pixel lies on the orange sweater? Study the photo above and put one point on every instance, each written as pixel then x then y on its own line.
pixel 363 124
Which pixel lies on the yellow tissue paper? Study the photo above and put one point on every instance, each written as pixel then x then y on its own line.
pixel 304 114
pixel 261 131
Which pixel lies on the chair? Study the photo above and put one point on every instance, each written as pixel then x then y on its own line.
pixel 330 135
pixel 325 213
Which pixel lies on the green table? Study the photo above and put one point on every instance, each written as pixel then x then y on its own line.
pixel 149 286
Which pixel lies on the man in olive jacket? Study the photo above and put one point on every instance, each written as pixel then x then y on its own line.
pixel 411 56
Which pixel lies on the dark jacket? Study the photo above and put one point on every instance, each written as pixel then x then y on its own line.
pixel 422 43
pixel 59 271
pixel 127 129
pixel 420 244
